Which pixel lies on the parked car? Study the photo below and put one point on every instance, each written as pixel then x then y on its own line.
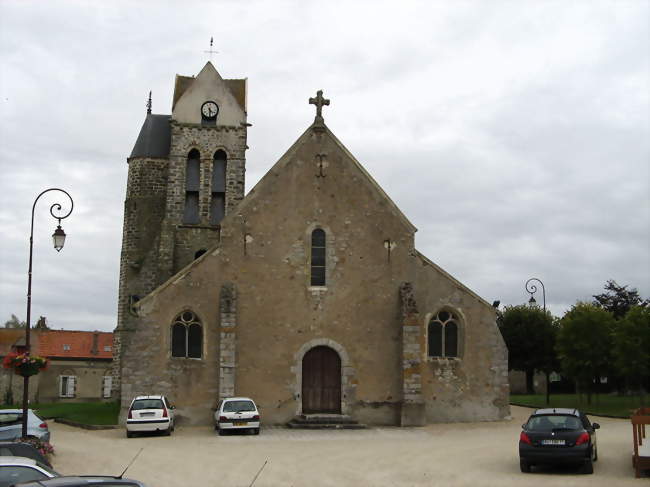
pixel 11 425
pixel 84 481
pixel 19 449
pixel 237 413
pixel 20 469
pixel 150 414
pixel 558 436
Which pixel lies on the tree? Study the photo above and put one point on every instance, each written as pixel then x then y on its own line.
pixel 529 334
pixel 14 322
pixel 618 299
pixel 584 343
pixel 632 347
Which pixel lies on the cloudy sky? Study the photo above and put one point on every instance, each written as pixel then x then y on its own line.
pixel 513 134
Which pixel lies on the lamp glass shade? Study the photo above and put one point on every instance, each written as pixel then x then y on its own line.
pixel 532 302
pixel 58 237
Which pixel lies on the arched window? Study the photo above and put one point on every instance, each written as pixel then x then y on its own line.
pixel 218 201
pixel 187 336
pixel 443 335
pixel 192 182
pixel 318 257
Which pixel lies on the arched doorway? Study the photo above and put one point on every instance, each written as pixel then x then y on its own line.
pixel 321 381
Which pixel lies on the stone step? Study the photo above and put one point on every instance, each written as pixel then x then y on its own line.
pixel 325 426
pixel 324 419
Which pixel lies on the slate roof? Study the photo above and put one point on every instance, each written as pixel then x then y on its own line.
pixel 80 344
pixel 155 137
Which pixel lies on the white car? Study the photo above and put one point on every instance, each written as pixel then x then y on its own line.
pixel 237 413
pixel 11 425
pixel 21 469
pixel 150 414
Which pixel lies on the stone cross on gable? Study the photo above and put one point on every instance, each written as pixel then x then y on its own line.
pixel 319 101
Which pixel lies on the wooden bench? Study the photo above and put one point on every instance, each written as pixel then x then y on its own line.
pixel 641 457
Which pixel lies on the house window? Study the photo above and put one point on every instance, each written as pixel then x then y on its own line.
pixel 318 257
pixel 66 347
pixel 192 181
pixel 107 348
pixel 218 201
pixel 187 336
pixel 107 385
pixel 67 385
pixel 442 335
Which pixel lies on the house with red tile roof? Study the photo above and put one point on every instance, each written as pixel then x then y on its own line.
pixel 79 368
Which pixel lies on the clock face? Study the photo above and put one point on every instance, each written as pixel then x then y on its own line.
pixel 209 110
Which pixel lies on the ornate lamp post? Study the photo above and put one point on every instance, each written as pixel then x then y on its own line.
pixel 532 289
pixel 58 239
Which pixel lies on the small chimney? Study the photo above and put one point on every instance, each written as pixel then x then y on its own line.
pixel 95 349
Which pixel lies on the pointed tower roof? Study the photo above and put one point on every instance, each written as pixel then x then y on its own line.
pixel 154 138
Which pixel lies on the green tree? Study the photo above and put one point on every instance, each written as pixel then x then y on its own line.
pixel 632 347
pixel 619 299
pixel 529 334
pixel 584 344
pixel 14 322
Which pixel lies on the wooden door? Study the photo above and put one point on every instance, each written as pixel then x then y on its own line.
pixel 321 381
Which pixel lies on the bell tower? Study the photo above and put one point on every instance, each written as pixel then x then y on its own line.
pixel 186 173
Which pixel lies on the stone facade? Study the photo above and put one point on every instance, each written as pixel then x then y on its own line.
pixel 259 312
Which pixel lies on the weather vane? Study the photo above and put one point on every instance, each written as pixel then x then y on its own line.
pixel 211 51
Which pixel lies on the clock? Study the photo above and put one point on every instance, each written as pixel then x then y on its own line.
pixel 209 110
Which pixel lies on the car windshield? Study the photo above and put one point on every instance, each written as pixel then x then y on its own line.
pixel 147 404
pixel 553 422
pixel 238 406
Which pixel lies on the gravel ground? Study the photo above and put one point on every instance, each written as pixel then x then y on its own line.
pixel 460 454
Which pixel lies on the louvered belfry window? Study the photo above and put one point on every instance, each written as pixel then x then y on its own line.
pixel 318 257
pixel 218 200
pixel 192 183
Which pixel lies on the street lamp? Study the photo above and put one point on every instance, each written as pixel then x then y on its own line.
pixel 532 289
pixel 58 239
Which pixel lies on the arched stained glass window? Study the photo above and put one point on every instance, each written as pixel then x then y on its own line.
pixel 318 257
pixel 187 336
pixel 443 331
pixel 192 183
pixel 218 200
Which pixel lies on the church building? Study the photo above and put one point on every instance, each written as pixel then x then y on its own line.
pixel 307 294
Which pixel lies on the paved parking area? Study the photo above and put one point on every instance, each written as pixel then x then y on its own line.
pixel 461 454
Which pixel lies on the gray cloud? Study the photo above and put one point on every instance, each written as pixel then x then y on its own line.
pixel 514 135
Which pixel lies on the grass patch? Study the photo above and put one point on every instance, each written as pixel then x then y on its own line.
pixel 101 413
pixel 602 404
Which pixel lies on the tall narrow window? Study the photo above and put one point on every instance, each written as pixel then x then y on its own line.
pixel 192 182
pixel 443 335
pixel 187 336
pixel 218 201
pixel 318 257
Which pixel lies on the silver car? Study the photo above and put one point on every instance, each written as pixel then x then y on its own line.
pixel 11 425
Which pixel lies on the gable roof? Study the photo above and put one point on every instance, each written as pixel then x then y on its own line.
pixel 81 344
pixel 287 156
pixel 236 86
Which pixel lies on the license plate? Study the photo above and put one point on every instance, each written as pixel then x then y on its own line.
pixel 240 423
pixel 146 414
pixel 552 442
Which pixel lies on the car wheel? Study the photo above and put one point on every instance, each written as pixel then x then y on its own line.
pixel 173 426
pixel 524 466
pixel 221 432
pixel 588 467
pixel 595 453
pixel 168 431
pixel 256 431
pixel 129 434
